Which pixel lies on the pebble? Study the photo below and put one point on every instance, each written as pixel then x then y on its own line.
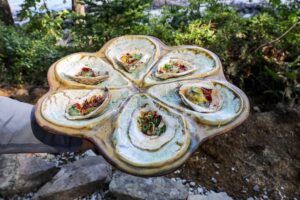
pixel 214 180
pixel 200 190
pixel 256 188
pixel 256 109
pixel 193 184
pixel 216 165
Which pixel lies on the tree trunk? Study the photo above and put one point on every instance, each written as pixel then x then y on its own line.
pixel 78 8
pixel 5 13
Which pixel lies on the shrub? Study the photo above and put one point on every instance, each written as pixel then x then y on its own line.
pixel 24 58
pixel 260 54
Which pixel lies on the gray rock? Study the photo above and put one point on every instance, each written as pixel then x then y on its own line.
pixel 192 184
pixel 22 173
pixel 256 188
pixel 127 187
pixel 210 196
pixel 80 178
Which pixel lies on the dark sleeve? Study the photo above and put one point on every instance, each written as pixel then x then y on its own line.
pixel 20 133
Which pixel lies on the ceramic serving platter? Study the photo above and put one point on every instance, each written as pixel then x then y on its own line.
pixel 161 79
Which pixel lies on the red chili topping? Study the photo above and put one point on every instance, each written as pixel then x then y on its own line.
pixel 182 67
pixel 207 93
pixel 86 69
pixel 78 106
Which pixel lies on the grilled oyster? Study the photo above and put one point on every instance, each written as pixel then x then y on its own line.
pixel 88 106
pixel 149 134
pixel 195 62
pixel 54 107
pixel 88 76
pixel 201 97
pixel 174 68
pixel 88 71
pixel 133 59
pixel 133 55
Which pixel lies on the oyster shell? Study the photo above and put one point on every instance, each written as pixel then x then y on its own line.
pixel 100 74
pixel 88 106
pixel 155 145
pixel 88 76
pixel 200 62
pixel 201 97
pixel 155 137
pixel 146 50
pixel 174 68
pixel 225 105
pixel 133 59
pixel 54 107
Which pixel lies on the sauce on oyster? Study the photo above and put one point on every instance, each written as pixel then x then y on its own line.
pixel 174 68
pixel 201 97
pixel 88 76
pixel 88 106
pixel 86 72
pixel 132 60
pixel 151 123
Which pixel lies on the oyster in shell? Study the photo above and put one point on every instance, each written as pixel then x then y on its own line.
pixel 174 68
pixel 149 134
pixel 201 97
pixel 88 76
pixel 197 62
pixel 215 102
pixel 88 106
pixel 88 71
pixel 55 105
pixel 132 59
pixel 133 55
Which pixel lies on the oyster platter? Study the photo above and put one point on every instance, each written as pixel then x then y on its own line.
pixel 146 106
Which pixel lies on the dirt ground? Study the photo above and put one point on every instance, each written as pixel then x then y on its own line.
pixel 260 158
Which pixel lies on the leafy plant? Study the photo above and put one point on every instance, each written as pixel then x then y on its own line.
pixel 260 54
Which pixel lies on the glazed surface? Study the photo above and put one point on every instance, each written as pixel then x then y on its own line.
pixel 115 130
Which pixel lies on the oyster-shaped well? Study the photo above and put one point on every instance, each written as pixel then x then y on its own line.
pixel 88 71
pixel 174 68
pixel 55 105
pixel 210 102
pixel 149 134
pixel 133 55
pixel 182 63
pixel 88 106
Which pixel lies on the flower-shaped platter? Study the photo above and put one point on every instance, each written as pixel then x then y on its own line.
pixel 145 105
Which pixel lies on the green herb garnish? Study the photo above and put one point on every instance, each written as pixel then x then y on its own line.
pixel 137 56
pixel 73 111
pixel 168 67
pixel 150 123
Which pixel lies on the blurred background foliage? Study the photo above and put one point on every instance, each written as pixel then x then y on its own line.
pixel 260 53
